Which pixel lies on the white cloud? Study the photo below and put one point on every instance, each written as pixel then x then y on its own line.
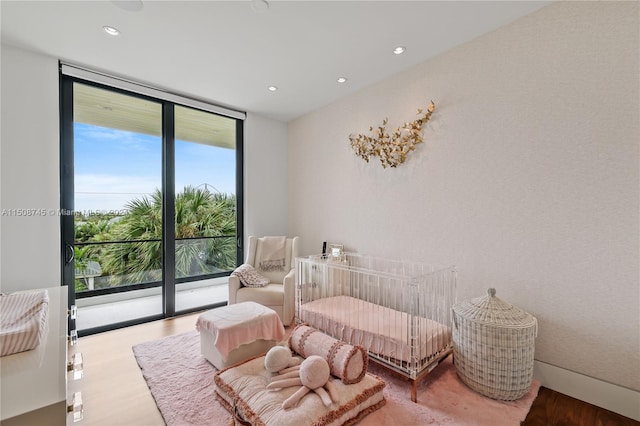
pixel 97 192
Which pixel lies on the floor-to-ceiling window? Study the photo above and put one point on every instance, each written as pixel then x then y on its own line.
pixel 205 199
pixel 151 201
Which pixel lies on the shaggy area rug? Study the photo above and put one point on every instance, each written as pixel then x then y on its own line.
pixel 181 382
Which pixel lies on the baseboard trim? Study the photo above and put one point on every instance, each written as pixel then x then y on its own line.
pixel 618 399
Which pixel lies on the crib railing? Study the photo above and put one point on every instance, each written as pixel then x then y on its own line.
pixel 399 311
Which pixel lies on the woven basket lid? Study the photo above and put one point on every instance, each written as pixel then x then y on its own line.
pixel 495 311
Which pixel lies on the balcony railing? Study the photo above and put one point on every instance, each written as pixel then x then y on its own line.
pixel 104 267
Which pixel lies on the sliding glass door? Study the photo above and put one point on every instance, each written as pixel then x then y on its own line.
pixel 149 190
pixel 205 204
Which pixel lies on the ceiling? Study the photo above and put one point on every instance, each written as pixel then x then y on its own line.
pixel 114 110
pixel 227 53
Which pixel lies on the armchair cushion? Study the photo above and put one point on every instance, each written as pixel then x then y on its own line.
pixel 269 295
pixel 249 277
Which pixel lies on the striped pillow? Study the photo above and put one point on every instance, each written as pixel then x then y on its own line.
pixel 23 318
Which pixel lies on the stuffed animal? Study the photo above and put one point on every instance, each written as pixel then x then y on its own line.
pixel 312 375
pixel 279 358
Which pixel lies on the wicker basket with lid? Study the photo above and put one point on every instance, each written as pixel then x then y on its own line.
pixel 493 346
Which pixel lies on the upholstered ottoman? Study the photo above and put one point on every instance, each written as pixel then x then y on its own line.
pixel 235 333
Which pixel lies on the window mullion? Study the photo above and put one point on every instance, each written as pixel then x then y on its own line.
pixel 168 209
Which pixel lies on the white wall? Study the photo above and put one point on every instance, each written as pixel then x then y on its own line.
pixel 30 171
pixel 265 171
pixel 29 175
pixel 527 179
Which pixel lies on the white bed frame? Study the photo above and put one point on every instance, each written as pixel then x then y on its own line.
pixel 408 304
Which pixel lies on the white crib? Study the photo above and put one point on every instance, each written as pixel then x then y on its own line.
pixel 398 311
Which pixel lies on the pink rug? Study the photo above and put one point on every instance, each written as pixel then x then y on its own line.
pixel 181 381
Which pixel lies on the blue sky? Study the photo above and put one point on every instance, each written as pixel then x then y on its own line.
pixel 114 166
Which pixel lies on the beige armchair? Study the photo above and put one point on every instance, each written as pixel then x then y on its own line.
pixel 279 294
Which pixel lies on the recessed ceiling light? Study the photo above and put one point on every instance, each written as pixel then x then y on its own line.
pixel 272 88
pixel 128 5
pixel 111 30
pixel 399 50
pixel 259 6
pixel 341 80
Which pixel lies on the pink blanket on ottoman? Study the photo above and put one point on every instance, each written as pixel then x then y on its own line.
pixel 235 325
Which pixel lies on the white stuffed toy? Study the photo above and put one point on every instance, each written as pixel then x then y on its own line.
pixel 278 358
pixel 312 375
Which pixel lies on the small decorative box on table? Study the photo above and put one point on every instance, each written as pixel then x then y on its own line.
pixel 493 346
pixel 234 333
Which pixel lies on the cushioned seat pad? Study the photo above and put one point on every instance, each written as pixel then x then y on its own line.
pixel 269 295
pixel 242 390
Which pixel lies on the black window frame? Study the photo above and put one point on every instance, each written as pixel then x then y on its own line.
pixel 67 176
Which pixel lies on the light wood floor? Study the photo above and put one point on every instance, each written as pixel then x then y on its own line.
pixel 115 393
pixel 113 389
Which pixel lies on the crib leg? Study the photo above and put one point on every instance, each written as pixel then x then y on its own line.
pixel 414 390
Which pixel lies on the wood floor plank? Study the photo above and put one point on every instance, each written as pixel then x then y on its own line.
pixel 570 411
pixel 543 408
pixel 113 390
pixel 609 418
